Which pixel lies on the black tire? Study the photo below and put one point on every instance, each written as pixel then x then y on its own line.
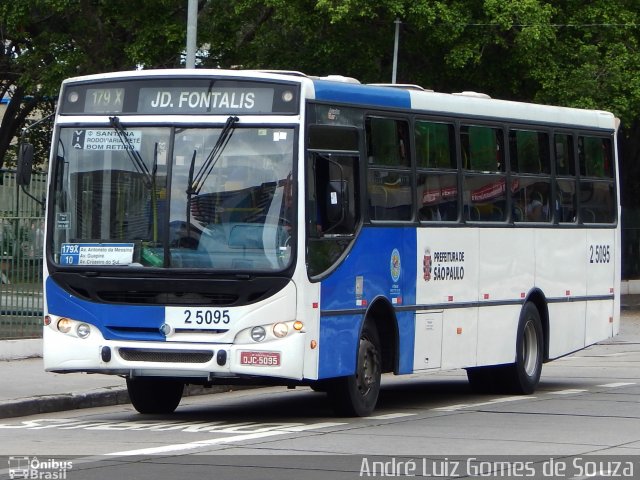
pixel 357 395
pixel 154 395
pixel 523 376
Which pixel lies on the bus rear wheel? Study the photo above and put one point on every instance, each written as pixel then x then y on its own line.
pixel 154 395
pixel 357 395
pixel 522 376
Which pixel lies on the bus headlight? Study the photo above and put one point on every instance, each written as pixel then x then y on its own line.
pixel 68 326
pixel 64 325
pixel 258 334
pixel 280 330
pixel 83 330
pixel 269 332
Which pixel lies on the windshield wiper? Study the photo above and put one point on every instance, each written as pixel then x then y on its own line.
pixel 196 183
pixel 148 176
pixel 133 154
pixel 190 191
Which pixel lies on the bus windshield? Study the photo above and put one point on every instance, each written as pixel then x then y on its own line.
pixel 166 197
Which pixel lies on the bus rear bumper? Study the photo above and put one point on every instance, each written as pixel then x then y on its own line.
pixel 280 358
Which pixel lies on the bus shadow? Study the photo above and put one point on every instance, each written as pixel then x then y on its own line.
pixel 304 404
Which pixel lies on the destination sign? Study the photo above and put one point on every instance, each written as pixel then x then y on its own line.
pixel 180 96
pixel 226 100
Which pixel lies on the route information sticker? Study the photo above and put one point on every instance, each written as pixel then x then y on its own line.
pixel 106 140
pixel 96 253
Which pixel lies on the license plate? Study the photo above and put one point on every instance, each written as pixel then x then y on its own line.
pixel 260 359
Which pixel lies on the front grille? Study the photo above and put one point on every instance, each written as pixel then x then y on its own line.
pixel 165 356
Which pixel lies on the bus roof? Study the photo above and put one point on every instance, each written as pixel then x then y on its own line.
pixel 344 90
pixel 460 104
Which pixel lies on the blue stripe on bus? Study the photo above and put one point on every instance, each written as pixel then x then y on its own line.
pixel 113 321
pixel 370 258
pixel 361 94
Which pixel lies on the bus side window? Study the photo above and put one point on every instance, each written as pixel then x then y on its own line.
pixel 597 193
pixel 389 176
pixel 566 197
pixel 437 186
pixel 484 181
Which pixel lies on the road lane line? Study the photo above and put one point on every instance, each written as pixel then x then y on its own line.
pixel 181 447
pixel 460 406
pixel 616 385
pixel 569 391
pixel 389 416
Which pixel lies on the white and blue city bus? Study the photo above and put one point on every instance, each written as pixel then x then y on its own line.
pixel 248 227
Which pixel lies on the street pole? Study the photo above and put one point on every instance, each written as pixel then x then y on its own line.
pixel 192 32
pixel 395 51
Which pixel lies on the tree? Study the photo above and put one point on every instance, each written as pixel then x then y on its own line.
pixel 562 52
pixel 45 41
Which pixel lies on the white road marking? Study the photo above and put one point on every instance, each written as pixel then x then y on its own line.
pixel 181 447
pixel 453 408
pixel 569 391
pixel 389 416
pixel 616 385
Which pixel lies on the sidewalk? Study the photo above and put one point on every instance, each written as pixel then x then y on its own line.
pixel 28 390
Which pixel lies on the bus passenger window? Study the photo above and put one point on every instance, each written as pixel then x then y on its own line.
pixel 565 162
pixel 389 195
pixel 484 198
pixel 531 199
pixel 435 145
pixel 529 152
pixel 566 202
pixel 387 142
pixel 484 183
pixel 438 197
pixel 597 193
pixel 481 148
pixel 388 180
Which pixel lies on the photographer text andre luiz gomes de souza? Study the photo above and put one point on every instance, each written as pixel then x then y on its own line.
pixel 569 468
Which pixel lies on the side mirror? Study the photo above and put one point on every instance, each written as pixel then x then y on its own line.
pixel 25 164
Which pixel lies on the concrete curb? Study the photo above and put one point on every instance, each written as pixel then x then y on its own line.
pixel 19 349
pixel 105 397
pixel 58 403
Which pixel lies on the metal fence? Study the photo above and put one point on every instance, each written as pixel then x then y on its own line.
pixel 21 241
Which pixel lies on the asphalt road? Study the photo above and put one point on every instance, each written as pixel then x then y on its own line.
pixel 583 422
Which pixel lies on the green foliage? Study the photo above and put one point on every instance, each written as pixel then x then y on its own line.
pixel 565 52
pixel 45 41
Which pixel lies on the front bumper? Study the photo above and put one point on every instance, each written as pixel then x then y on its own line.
pixel 204 361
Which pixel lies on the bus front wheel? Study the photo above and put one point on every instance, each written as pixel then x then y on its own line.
pixel 357 394
pixel 154 395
